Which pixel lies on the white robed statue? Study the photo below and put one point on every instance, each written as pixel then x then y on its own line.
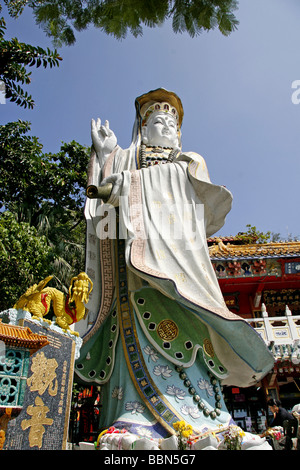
pixel 158 337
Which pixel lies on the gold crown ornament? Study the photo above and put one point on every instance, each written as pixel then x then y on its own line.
pixel 160 107
pixel 160 100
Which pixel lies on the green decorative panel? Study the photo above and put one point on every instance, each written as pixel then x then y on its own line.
pixel 13 374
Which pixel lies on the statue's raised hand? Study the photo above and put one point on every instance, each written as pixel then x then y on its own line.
pixel 103 138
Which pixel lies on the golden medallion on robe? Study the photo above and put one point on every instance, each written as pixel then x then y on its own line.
pixel 208 347
pixel 167 330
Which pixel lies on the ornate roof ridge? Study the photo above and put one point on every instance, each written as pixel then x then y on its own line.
pixel 21 336
pixel 225 238
pixel 268 249
pixel 237 238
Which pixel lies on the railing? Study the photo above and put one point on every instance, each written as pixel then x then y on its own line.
pixel 281 334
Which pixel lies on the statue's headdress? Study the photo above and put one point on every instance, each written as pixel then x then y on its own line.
pixel 162 107
pixel 157 100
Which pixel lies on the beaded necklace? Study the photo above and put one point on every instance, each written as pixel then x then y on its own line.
pixel 213 414
pixel 146 159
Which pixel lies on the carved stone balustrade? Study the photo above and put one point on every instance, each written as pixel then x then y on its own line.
pixel 282 334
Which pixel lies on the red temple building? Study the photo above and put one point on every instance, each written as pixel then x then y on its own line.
pixel 261 283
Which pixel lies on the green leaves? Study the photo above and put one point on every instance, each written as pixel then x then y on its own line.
pixel 15 56
pixel 15 7
pixel 16 94
pixel 25 257
pixel 61 19
pixel 30 178
pixel 253 235
pixel 45 194
pixel 196 16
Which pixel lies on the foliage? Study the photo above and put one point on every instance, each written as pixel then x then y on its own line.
pixel 253 235
pixel 60 19
pixel 15 7
pixel 15 57
pixel 47 192
pixel 196 16
pixel 32 183
pixel 24 258
pixel 277 237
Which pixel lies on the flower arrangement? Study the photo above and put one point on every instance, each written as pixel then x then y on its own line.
pixel 111 430
pixel 275 433
pixel 183 431
pixel 233 438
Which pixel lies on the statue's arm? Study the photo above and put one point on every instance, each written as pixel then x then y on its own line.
pixel 99 192
pixel 109 189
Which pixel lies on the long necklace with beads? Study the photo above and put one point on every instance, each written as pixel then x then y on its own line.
pixel 214 413
pixel 149 155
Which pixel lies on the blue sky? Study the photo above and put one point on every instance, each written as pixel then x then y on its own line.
pixel 236 94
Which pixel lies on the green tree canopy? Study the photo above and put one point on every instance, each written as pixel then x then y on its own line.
pixel 60 19
pixel 25 257
pixel 46 193
pixel 15 56
pixel 31 181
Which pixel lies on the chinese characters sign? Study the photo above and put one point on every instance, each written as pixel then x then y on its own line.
pixel 43 422
pixel 292 268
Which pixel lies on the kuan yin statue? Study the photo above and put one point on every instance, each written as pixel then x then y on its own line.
pixel 159 338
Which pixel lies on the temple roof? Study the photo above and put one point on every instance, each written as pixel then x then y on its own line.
pixel 22 337
pixel 220 248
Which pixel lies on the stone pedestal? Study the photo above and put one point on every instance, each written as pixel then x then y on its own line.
pixel 44 420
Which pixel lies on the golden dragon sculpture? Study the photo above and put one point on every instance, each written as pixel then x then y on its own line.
pixel 68 309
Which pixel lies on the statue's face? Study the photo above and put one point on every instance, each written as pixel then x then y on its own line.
pixel 161 130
